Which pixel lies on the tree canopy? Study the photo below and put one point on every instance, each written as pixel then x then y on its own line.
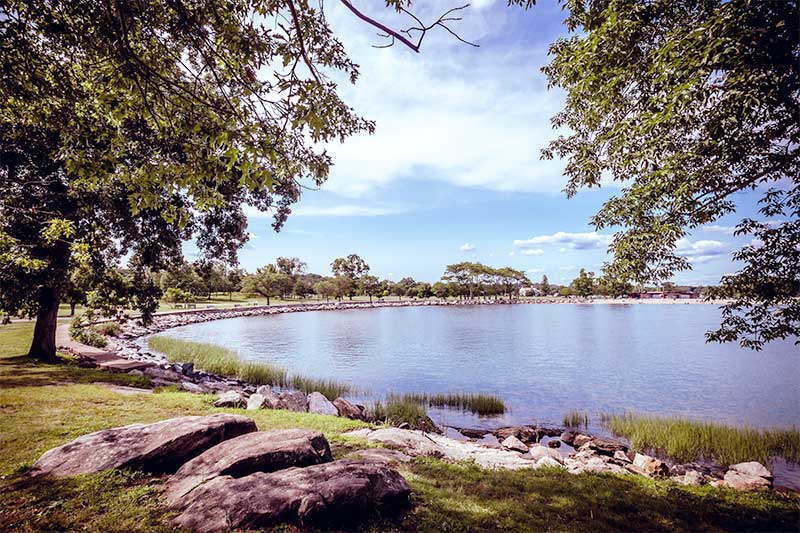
pixel 686 103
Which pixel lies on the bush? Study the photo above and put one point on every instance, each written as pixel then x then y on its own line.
pixel 109 329
pixel 86 335
pixel 173 295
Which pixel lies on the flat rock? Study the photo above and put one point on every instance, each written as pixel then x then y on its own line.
pixel 318 403
pixel 165 374
pixel 293 401
pixel 752 468
pixel 690 477
pixel 381 455
pixel 231 398
pixel 260 451
pixel 600 445
pixel 271 400
pixel 513 443
pixel 315 494
pixel 160 447
pixel 348 409
pixel 739 481
pixel 548 461
pixel 417 443
pixel 526 434
pixel 192 387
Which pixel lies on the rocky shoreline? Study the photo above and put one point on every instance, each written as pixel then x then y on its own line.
pixel 510 448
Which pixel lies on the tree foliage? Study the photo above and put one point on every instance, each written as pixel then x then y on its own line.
pixel 686 103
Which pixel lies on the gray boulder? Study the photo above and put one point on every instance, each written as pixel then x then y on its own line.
pixel 329 491
pixel 160 447
pixel 293 401
pixel 231 398
pixel 648 466
pixel 748 476
pixel 256 401
pixel 318 403
pixel 538 451
pixel 348 409
pixel 271 400
pixel 260 451
pixel 513 443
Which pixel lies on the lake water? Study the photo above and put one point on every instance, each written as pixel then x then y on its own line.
pixel 543 360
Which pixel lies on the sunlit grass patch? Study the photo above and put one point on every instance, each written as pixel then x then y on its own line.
pixel 575 419
pixel 688 440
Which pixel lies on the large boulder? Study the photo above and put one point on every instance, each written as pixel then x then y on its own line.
pixel 160 447
pixel 748 476
pixel 313 495
pixel 348 409
pixel 318 403
pixel 527 434
pixel 293 401
pixel 600 445
pixel 271 400
pixel 260 451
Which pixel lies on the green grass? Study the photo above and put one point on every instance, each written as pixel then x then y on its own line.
pixel 479 404
pixel 222 361
pixel 689 440
pixel 44 405
pixel 400 409
pixel 576 419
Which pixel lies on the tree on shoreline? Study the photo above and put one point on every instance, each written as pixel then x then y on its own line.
pixel 688 103
pixel 127 128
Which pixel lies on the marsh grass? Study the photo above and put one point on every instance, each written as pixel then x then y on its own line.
pixel 576 419
pixel 479 404
pixel 224 362
pixel 400 409
pixel 689 440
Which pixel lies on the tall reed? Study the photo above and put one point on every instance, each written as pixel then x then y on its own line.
pixel 222 361
pixel 480 404
pixel 687 440
pixel 576 419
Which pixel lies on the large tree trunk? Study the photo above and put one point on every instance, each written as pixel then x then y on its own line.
pixel 43 346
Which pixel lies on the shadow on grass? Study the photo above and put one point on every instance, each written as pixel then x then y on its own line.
pixel 466 498
pixel 23 371
pixel 109 501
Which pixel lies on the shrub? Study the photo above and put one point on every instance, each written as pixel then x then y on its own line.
pixel 173 295
pixel 86 335
pixel 109 329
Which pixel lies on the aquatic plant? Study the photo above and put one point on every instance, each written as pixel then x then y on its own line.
pixel 575 419
pixel 480 404
pixel 688 440
pixel 222 361
pixel 402 409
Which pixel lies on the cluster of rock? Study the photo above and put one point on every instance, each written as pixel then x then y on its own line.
pixel 265 398
pixel 520 448
pixel 223 474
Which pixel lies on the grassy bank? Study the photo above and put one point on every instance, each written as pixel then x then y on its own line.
pixel 42 406
pixel 688 440
pixel 225 362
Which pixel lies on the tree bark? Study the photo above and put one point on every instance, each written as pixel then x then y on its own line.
pixel 43 346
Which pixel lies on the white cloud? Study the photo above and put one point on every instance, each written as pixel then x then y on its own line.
pixel 531 251
pixel 701 251
pixel 511 254
pixel 467 247
pixel 535 270
pixel 345 210
pixel 575 241
pixel 567 268
pixel 455 114
pixel 727 230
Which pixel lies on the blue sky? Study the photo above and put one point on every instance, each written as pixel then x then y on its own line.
pixel 453 172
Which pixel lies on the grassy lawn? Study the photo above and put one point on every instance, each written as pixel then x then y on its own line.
pixel 42 406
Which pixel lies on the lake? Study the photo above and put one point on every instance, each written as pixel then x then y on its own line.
pixel 543 360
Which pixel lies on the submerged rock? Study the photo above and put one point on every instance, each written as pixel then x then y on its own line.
pixel 160 447
pixel 331 491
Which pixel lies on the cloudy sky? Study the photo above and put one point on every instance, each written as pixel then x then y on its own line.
pixel 452 171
